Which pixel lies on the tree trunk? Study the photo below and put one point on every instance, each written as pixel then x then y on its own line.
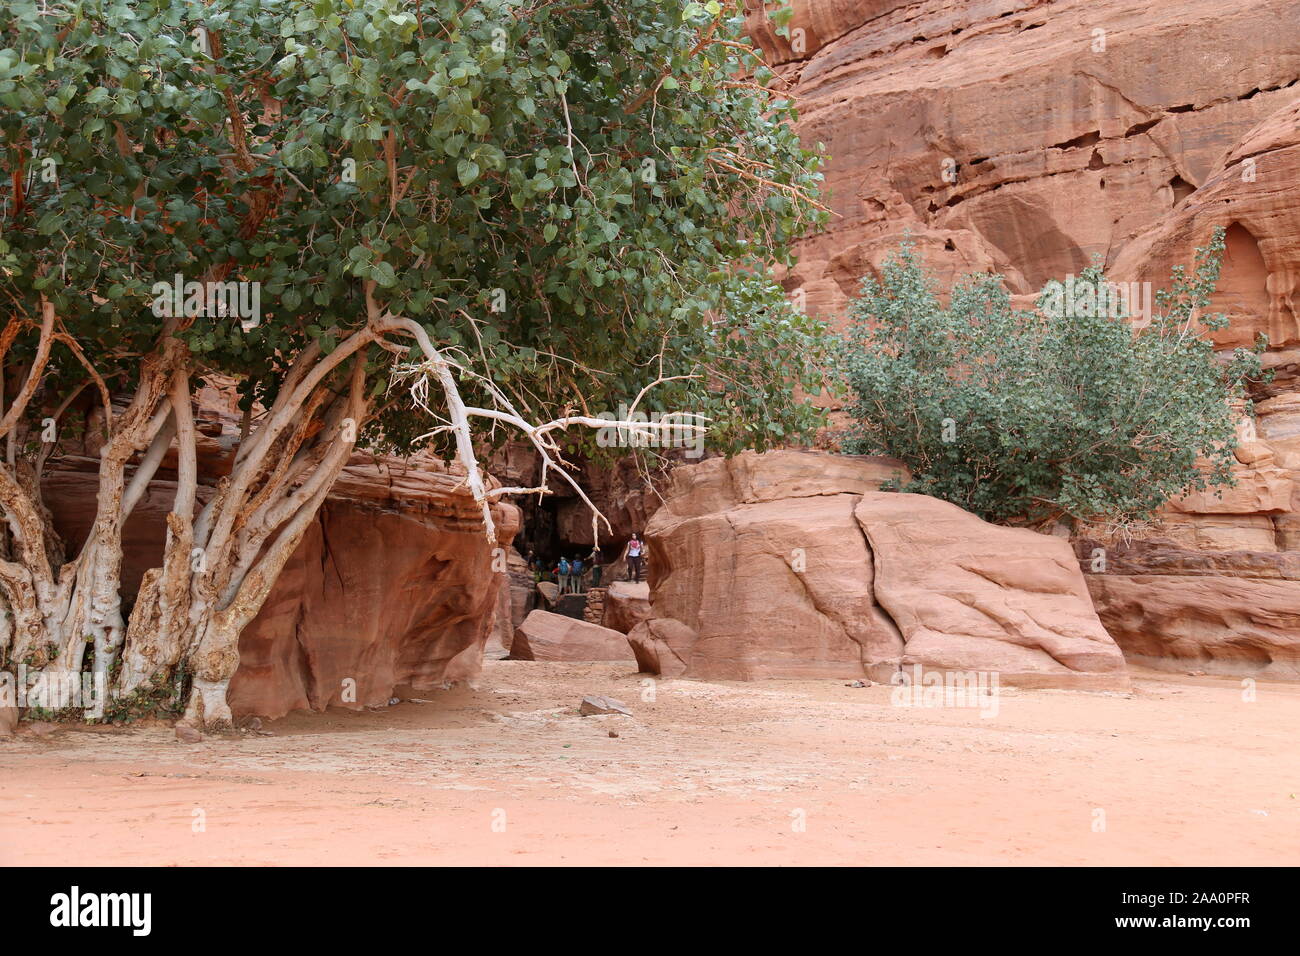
pixel 217 572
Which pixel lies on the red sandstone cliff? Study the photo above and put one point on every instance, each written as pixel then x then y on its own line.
pixel 1027 137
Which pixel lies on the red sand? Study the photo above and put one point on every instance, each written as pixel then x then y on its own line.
pixel 1185 771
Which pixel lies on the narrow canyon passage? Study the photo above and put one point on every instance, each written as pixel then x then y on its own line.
pixel 1181 771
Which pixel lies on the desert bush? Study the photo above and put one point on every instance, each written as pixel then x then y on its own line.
pixel 1066 411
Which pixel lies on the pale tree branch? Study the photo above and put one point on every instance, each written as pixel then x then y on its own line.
pixel 437 367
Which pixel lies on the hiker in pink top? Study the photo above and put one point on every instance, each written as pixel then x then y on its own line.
pixel 635 553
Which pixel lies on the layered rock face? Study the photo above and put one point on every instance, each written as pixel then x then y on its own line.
pixel 1018 135
pixel 1027 137
pixel 1234 613
pixel 795 564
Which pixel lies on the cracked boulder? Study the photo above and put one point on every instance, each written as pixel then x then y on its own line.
pixel 794 564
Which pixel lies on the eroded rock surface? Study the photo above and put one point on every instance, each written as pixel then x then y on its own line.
pixel 627 604
pixel 794 564
pixel 391 585
pixel 1022 136
pixel 1235 626
pixel 385 590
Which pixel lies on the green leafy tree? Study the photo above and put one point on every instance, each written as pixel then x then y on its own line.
pixel 409 223
pixel 1070 411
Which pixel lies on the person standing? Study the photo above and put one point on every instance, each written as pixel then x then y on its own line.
pixel 635 557
pixel 594 560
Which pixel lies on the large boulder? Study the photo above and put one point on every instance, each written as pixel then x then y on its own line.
pixel 550 592
pixel 967 594
pixel 627 604
pixel 544 636
pixel 794 564
pixel 381 593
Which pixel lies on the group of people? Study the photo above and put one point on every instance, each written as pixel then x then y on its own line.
pixel 575 575
pixel 572 575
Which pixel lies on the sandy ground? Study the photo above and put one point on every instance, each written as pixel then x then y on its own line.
pixel 1181 771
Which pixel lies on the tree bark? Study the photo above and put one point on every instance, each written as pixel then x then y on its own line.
pixel 225 598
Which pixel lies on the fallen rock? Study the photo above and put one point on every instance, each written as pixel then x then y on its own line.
pixel 627 604
pixel 549 591
pixel 661 646
pixel 792 564
pixel 187 734
pixel 545 636
pixel 593 705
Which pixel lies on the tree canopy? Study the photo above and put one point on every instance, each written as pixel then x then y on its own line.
pixel 518 213
pixel 556 192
